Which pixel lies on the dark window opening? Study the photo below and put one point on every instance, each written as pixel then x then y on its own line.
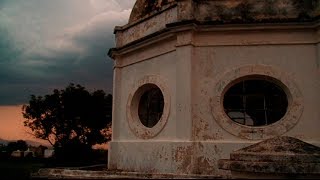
pixel 151 107
pixel 255 103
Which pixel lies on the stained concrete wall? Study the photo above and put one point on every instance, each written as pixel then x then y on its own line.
pixel 194 65
pixel 294 55
pixel 135 67
pixel 191 64
pixel 297 60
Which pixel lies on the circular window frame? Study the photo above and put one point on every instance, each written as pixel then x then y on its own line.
pixel 133 119
pixel 283 80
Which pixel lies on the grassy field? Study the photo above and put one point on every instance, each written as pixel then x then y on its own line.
pixel 18 169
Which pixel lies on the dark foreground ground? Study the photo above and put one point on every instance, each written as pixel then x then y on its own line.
pixel 19 169
pixel 23 169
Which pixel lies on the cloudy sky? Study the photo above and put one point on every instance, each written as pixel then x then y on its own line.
pixel 46 44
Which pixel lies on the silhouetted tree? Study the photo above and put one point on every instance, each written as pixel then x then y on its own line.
pixel 39 151
pixel 2 147
pixel 72 120
pixel 18 145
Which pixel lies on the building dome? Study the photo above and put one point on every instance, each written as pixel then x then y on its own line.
pixel 233 10
pixel 143 8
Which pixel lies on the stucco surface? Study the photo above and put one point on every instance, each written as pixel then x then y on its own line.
pixel 176 157
pixel 191 125
pixel 196 62
pixel 292 61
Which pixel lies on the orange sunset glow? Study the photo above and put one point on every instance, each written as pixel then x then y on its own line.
pixel 12 125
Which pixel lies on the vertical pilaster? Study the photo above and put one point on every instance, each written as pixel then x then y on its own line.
pixel 116 110
pixel 183 87
pixel 318 49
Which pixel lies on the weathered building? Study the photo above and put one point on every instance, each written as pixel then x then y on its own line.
pixel 195 80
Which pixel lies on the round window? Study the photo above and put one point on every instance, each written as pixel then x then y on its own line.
pixel 148 107
pixel 255 102
pixel 151 107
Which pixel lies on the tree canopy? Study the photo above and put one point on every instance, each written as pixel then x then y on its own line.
pixel 72 117
pixel 18 145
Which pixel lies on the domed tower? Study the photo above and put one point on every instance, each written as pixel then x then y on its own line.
pixel 195 80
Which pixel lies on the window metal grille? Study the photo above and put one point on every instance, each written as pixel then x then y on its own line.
pixel 255 102
pixel 151 107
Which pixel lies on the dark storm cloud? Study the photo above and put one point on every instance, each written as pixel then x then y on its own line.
pixel 47 44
